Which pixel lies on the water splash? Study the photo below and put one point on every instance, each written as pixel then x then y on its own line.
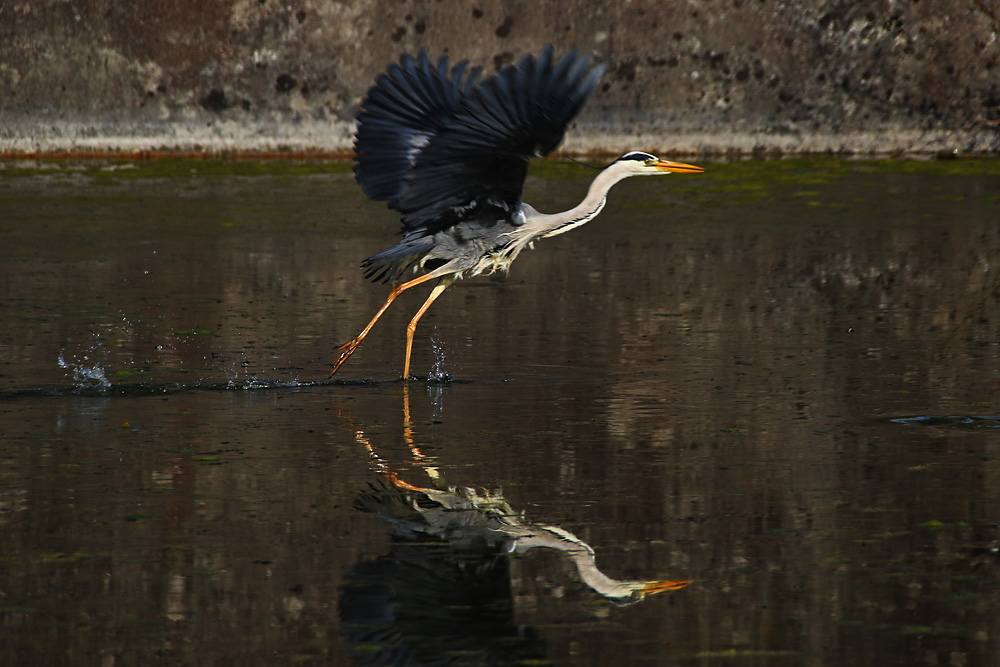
pixel 90 366
pixel 241 377
pixel 104 366
pixel 253 382
pixel 87 374
pixel 438 372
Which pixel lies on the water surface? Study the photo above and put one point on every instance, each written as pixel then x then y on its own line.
pixel 777 380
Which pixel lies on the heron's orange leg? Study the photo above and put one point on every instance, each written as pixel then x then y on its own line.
pixel 412 326
pixel 348 348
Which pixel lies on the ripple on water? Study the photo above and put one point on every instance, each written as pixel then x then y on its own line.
pixel 958 421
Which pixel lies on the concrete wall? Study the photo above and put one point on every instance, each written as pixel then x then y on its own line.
pixel 684 76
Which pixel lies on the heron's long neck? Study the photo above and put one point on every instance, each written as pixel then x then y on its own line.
pixel 539 225
pixel 591 205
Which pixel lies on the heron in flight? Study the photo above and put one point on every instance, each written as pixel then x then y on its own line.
pixel 449 150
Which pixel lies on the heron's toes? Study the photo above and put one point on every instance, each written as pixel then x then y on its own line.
pixel 346 350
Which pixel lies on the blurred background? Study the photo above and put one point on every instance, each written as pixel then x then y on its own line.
pixel 684 76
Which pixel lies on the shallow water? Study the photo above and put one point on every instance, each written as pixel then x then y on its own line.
pixel 777 380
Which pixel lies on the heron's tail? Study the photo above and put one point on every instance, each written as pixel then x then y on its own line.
pixel 393 262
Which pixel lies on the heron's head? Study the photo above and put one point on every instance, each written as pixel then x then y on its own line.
pixel 637 163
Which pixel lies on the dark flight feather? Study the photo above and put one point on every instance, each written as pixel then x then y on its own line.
pixel 443 148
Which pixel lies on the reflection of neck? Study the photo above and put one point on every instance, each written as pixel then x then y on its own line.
pixel 597 580
pixel 582 556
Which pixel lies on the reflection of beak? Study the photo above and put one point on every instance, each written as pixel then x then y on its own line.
pixel 677 167
pixel 654 587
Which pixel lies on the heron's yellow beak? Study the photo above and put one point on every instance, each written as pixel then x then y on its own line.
pixel 654 587
pixel 677 167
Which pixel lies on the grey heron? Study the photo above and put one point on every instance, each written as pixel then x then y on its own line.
pixel 449 150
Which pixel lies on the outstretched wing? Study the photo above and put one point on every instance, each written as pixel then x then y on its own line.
pixel 444 147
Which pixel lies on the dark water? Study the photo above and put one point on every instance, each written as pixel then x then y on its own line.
pixel 780 381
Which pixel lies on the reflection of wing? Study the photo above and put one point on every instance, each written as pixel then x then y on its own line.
pixel 423 603
pixel 467 520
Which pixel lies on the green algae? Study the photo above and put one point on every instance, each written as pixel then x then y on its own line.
pixel 111 171
pixel 801 170
pixel 731 183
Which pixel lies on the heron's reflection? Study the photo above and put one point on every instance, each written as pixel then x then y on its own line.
pixel 446 581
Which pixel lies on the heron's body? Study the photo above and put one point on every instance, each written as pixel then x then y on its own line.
pixel 450 152
pixel 476 246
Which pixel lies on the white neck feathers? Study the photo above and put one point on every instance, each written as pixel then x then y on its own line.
pixel 588 209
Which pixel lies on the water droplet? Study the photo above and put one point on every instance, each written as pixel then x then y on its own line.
pixel 438 372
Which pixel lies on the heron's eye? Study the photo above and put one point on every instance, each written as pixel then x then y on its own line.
pixel 649 162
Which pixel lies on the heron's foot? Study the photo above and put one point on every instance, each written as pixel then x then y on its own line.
pixel 346 350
